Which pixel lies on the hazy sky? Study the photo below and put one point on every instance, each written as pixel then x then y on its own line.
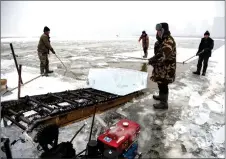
pixel 76 18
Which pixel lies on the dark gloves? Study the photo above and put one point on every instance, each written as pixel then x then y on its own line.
pixel 151 61
pixel 206 49
pixel 53 52
pixel 198 53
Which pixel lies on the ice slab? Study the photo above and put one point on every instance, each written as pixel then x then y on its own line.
pixel 215 107
pixel 195 100
pixel 203 118
pixel 117 81
pixel 219 135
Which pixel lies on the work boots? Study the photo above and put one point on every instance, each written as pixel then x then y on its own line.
pixel 163 101
pixel 156 97
pixel 198 70
pixel 42 70
pixel 145 55
pixel 204 70
pixel 47 71
pixel 196 73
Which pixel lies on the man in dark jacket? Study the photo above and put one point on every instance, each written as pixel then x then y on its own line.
pixel 205 49
pixel 164 64
pixel 145 43
pixel 43 51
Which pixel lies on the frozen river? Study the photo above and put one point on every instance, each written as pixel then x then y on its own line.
pixel 192 127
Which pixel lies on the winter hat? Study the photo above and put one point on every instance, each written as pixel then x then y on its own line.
pixel 46 29
pixel 161 26
pixel 164 28
pixel 207 33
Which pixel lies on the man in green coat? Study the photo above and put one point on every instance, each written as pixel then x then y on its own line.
pixel 43 50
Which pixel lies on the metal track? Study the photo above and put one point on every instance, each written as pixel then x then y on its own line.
pixel 61 108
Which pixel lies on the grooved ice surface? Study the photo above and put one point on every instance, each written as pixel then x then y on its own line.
pixel 182 54
pixel 117 81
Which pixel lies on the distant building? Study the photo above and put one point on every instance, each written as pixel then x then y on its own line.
pixel 218 29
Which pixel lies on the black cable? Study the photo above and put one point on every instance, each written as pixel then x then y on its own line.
pixel 15 141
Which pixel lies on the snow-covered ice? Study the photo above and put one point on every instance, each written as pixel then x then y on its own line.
pixel 41 85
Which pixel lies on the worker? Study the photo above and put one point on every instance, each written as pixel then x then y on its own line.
pixel 43 50
pixel 145 43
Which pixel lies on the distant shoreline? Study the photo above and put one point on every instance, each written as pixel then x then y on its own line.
pixel 8 37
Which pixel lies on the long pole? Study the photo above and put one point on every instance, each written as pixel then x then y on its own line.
pixel 92 123
pixel 77 133
pixel 19 81
pixel 189 59
pixel 14 57
pixel 61 62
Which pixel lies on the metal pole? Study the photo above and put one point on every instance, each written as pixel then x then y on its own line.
pixel 61 62
pixel 14 57
pixel 77 133
pixel 80 153
pixel 19 81
pixel 7 147
pixel 92 123
pixel 189 59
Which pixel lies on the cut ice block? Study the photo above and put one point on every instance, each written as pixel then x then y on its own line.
pixel 195 100
pixel 218 136
pixel 117 81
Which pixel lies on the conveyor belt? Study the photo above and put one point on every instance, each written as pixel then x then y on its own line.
pixel 61 108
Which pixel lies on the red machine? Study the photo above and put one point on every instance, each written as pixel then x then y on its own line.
pixel 120 137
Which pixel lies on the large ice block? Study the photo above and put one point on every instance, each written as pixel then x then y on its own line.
pixel 117 81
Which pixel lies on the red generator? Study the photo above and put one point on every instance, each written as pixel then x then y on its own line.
pixel 120 139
